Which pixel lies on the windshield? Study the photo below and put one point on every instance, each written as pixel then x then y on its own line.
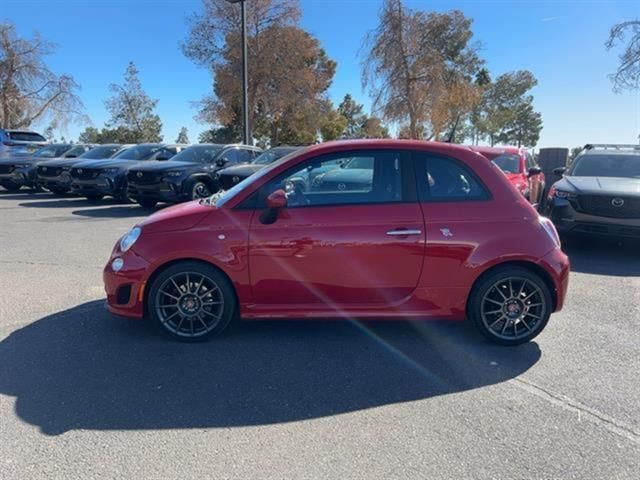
pixel 272 155
pixel 607 165
pixel 52 151
pixel 105 151
pixel 508 162
pixel 222 197
pixel 140 152
pixel 198 154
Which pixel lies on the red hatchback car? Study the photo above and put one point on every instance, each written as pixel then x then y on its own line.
pixel 520 168
pixel 355 229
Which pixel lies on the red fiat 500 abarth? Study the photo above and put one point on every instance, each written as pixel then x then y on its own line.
pixel 356 229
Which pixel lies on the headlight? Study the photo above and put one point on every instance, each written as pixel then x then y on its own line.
pixel 129 239
pixel 555 193
pixel 550 228
pixel 173 174
pixel 111 170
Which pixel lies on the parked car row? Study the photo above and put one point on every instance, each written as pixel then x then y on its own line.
pixel 145 173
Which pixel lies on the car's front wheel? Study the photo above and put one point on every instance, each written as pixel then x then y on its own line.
pixel 510 305
pixel 200 190
pixel 12 187
pixel 191 301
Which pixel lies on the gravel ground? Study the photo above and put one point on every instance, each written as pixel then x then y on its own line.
pixel 86 395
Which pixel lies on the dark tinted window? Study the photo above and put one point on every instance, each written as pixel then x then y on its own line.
pixel 105 151
pixel 26 137
pixel 198 154
pixel 140 152
pixel 508 162
pixel 75 151
pixel 607 165
pixel 444 179
pixel 328 180
pixel 245 155
pixel 52 151
pixel 231 155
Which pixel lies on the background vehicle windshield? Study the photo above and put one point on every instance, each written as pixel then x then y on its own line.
pixel 607 165
pixel 508 162
pixel 272 155
pixel 26 137
pixel 52 151
pixel 75 151
pixel 140 152
pixel 105 151
pixel 198 154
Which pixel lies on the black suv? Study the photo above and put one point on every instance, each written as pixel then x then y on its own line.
pixel 599 192
pixel 230 176
pixel 94 179
pixel 188 176
pixel 55 175
pixel 20 171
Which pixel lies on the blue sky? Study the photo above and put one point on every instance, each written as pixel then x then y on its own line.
pixel 561 42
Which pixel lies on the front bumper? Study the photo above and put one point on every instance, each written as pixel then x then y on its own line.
pixel 101 185
pixel 125 288
pixel 569 221
pixel 160 192
pixel 25 177
pixel 62 181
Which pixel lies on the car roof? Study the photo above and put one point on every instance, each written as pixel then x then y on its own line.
pixel 389 143
pixel 610 151
pixel 495 150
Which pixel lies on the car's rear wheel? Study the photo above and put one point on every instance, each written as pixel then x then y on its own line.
pixel 146 203
pixel 12 187
pixel 510 305
pixel 200 190
pixel 191 301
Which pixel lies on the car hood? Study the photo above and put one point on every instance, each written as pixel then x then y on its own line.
pixel 244 169
pixel 164 165
pixel 24 160
pixel 106 163
pixel 178 217
pixel 601 185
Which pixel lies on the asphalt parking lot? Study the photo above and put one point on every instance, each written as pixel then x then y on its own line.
pixel 86 395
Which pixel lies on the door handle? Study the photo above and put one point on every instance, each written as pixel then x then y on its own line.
pixel 404 232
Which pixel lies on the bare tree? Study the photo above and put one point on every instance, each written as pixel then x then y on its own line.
pixel 29 90
pixel 627 77
pixel 419 68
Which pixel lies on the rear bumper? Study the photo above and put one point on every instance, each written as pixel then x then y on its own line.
pixel 568 221
pixel 557 264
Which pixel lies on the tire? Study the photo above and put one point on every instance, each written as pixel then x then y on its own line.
pixel 12 187
pixel 178 301
pixel 510 305
pixel 200 190
pixel 146 203
pixel 94 197
pixel 58 191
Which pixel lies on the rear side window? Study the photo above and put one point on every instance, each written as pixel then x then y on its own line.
pixel 245 156
pixel 25 137
pixel 441 179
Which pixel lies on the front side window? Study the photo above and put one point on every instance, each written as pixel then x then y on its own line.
pixel 443 179
pixel 343 179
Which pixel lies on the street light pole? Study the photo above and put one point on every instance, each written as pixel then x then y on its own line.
pixel 247 139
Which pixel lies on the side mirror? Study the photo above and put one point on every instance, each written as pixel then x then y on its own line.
pixel 559 171
pixel 277 200
pixel 535 171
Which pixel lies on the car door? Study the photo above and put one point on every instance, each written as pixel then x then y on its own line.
pixel 459 216
pixel 361 243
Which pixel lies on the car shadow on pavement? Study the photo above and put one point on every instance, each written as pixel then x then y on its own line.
pixel 85 369
pixel 603 256
pixel 120 211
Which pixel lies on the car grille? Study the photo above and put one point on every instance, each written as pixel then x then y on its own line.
pixel 84 173
pixel 6 168
pixel 608 206
pixel 143 178
pixel 49 171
